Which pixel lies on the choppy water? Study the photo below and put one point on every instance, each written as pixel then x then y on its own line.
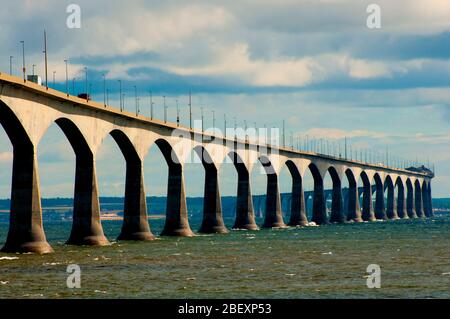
pixel 313 262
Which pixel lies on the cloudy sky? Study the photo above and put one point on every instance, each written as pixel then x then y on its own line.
pixel 314 63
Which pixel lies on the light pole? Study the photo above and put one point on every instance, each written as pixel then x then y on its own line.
pixel 86 80
pixel 151 104
pixel 120 95
pixel 107 97
pixel 10 64
pixel 165 108
pixel 104 89
pixel 67 77
pixel 178 113
pixel 54 73
pixel 23 60
pixel 32 67
pixel 201 113
pixel 136 99
pixel 190 111
pixel 123 102
pixel 73 86
pixel 46 60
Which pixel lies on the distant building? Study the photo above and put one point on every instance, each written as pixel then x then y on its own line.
pixel 35 79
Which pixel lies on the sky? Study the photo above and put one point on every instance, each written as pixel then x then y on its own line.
pixel 314 64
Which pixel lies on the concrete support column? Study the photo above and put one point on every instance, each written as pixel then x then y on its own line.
pixel 367 211
pixel 274 216
pixel 380 212
pixel 354 210
pixel 418 202
pixel 26 233
pixel 245 215
pixel 86 227
pixel 135 220
pixel 425 202
pixel 319 214
pixel 177 223
pixel 337 204
pixel 401 202
pixel 298 211
pixel 212 205
pixel 391 204
pixel 410 203
pixel 430 202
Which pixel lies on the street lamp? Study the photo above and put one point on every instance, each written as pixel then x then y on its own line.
pixel 86 71
pixel 54 73
pixel 23 60
pixel 67 78
pixel 165 109
pixel 120 95
pixel 10 64
pixel 104 89
pixel 33 66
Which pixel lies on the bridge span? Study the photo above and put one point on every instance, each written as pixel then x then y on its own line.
pixel 27 110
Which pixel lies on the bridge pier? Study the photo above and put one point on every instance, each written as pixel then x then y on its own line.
pixel 319 214
pixel 429 211
pixel 135 220
pixel 177 223
pixel 212 206
pixel 380 211
pixel 418 201
pixel 86 227
pixel 354 210
pixel 410 202
pixel 274 216
pixel 26 233
pixel 245 216
pixel 337 203
pixel 298 211
pixel 367 209
pixel 401 201
pixel 391 211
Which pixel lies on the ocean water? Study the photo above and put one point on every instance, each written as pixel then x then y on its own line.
pixel 309 262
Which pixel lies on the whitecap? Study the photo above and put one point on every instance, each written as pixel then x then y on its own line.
pixel 328 253
pixel 8 258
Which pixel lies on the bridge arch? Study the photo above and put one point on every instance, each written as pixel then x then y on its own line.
pixel 380 186
pixel 245 215
pixel 86 225
pixel 353 208
pixel 337 201
pixel 410 201
pixel 298 212
pixel 418 199
pixel 176 223
pixel 319 213
pixel 212 205
pixel 367 204
pixel 26 231
pixel 401 198
pixel 135 224
pixel 391 211
pixel 273 215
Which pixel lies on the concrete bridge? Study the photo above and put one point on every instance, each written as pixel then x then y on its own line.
pixel 27 110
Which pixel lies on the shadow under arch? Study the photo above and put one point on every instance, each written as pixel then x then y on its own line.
pixel 391 207
pixel 380 209
pixel 337 202
pixel 418 199
pixel 245 214
pixel 319 211
pixel 135 224
pixel 426 199
pixel 298 212
pixel 26 231
pixel 410 202
pixel 367 212
pixel 86 225
pixel 177 223
pixel 273 215
pixel 353 208
pixel 401 199
pixel 212 205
